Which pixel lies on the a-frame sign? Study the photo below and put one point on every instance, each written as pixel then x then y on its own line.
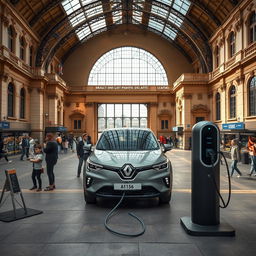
pixel 12 186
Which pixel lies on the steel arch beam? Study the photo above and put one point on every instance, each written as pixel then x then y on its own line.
pixel 48 36
pixel 200 56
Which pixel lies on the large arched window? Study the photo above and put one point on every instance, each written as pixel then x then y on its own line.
pixel 11 38
pixel 22 48
pixel 252 28
pixel 252 96
pixel 127 66
pixel 217 106
pixel 22 103
pixel 232 102
pixel 232 44
pixel 10 100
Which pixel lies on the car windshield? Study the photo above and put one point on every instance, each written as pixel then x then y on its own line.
pixel 127 140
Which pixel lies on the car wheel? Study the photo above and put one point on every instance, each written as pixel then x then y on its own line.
pixel 165 198
pixel 89 199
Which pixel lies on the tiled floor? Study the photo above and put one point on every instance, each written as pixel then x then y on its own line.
pixel 69 227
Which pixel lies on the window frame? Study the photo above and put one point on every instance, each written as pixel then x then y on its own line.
pixel 217 56
pixel 232 101
pixel 252 28
pixel 22 103
pixel 252 96
pixel 232 44
pixel 10 100
pixel 77 124
pixel 22 48
pixel 218 106
pixel 11 38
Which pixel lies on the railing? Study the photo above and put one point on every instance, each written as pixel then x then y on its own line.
pixel 216 72
pixel 230 62
pixel 250 49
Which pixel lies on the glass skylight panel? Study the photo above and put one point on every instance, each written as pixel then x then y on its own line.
pixel 77 19
pixel 156 25
pixel 83 33
pixel 85 2
pixel 98 25
pixel 175 19
pixel 137 16
pixel 93 11
pixel 170 32
pixel 71 5
pixel 181 6
pixel 159 11
pixel 168 2
pixel 117 16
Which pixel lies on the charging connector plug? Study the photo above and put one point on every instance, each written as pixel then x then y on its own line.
pixel 210 153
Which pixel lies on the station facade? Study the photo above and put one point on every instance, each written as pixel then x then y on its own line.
pixel 60 94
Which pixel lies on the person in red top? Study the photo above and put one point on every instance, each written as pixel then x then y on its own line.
pixel 252 152
pixel 162 139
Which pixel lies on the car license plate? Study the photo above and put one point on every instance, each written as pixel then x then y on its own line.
pixel 127 186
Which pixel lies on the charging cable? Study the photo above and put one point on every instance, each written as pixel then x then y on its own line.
pixel 224 205
pixel 131 214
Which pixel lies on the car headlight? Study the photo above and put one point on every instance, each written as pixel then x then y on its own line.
pixel 93 167
pixel 161 166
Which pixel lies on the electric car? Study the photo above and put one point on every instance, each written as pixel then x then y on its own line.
pixel 130 161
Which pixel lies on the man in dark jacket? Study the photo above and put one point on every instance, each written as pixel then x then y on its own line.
pixel 51 157
pixel 24 147
pixel 82 153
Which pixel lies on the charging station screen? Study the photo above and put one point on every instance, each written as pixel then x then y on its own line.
pixel 209 145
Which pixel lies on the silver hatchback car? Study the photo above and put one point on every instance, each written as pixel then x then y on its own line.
pixel 130 160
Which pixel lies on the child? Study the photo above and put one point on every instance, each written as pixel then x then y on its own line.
pixel 37 168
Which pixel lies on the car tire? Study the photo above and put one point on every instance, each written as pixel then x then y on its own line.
pixel 89 199
pixel 165 198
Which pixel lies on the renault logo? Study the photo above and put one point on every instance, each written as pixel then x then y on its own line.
pixel 127 170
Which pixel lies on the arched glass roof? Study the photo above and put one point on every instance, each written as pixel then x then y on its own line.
pixel 171 12
pixel 127 66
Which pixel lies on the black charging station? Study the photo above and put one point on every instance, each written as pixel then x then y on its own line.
pixel 205 211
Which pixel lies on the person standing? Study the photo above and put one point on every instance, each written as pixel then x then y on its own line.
pixel 252 152
pixel 24 147
pixel 3 153
pixel 37 160
pixel 51 157
pixel 82 153
pixel 31 146
pixel 235 157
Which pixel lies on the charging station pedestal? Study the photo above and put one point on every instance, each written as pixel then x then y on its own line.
pixel 205 212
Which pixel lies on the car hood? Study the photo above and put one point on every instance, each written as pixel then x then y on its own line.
pixel 135 158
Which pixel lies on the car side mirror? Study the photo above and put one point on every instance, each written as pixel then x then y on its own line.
pixel 167 147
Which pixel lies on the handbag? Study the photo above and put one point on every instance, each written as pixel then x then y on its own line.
pixel 42 170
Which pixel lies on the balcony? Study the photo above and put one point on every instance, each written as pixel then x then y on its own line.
pixel 191 78
pixel 55 79
pixel 250 49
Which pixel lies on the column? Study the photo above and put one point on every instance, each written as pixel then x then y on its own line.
pixel 153 120
pixel 36 113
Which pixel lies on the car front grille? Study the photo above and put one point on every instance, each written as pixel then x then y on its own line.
pixel 146 192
